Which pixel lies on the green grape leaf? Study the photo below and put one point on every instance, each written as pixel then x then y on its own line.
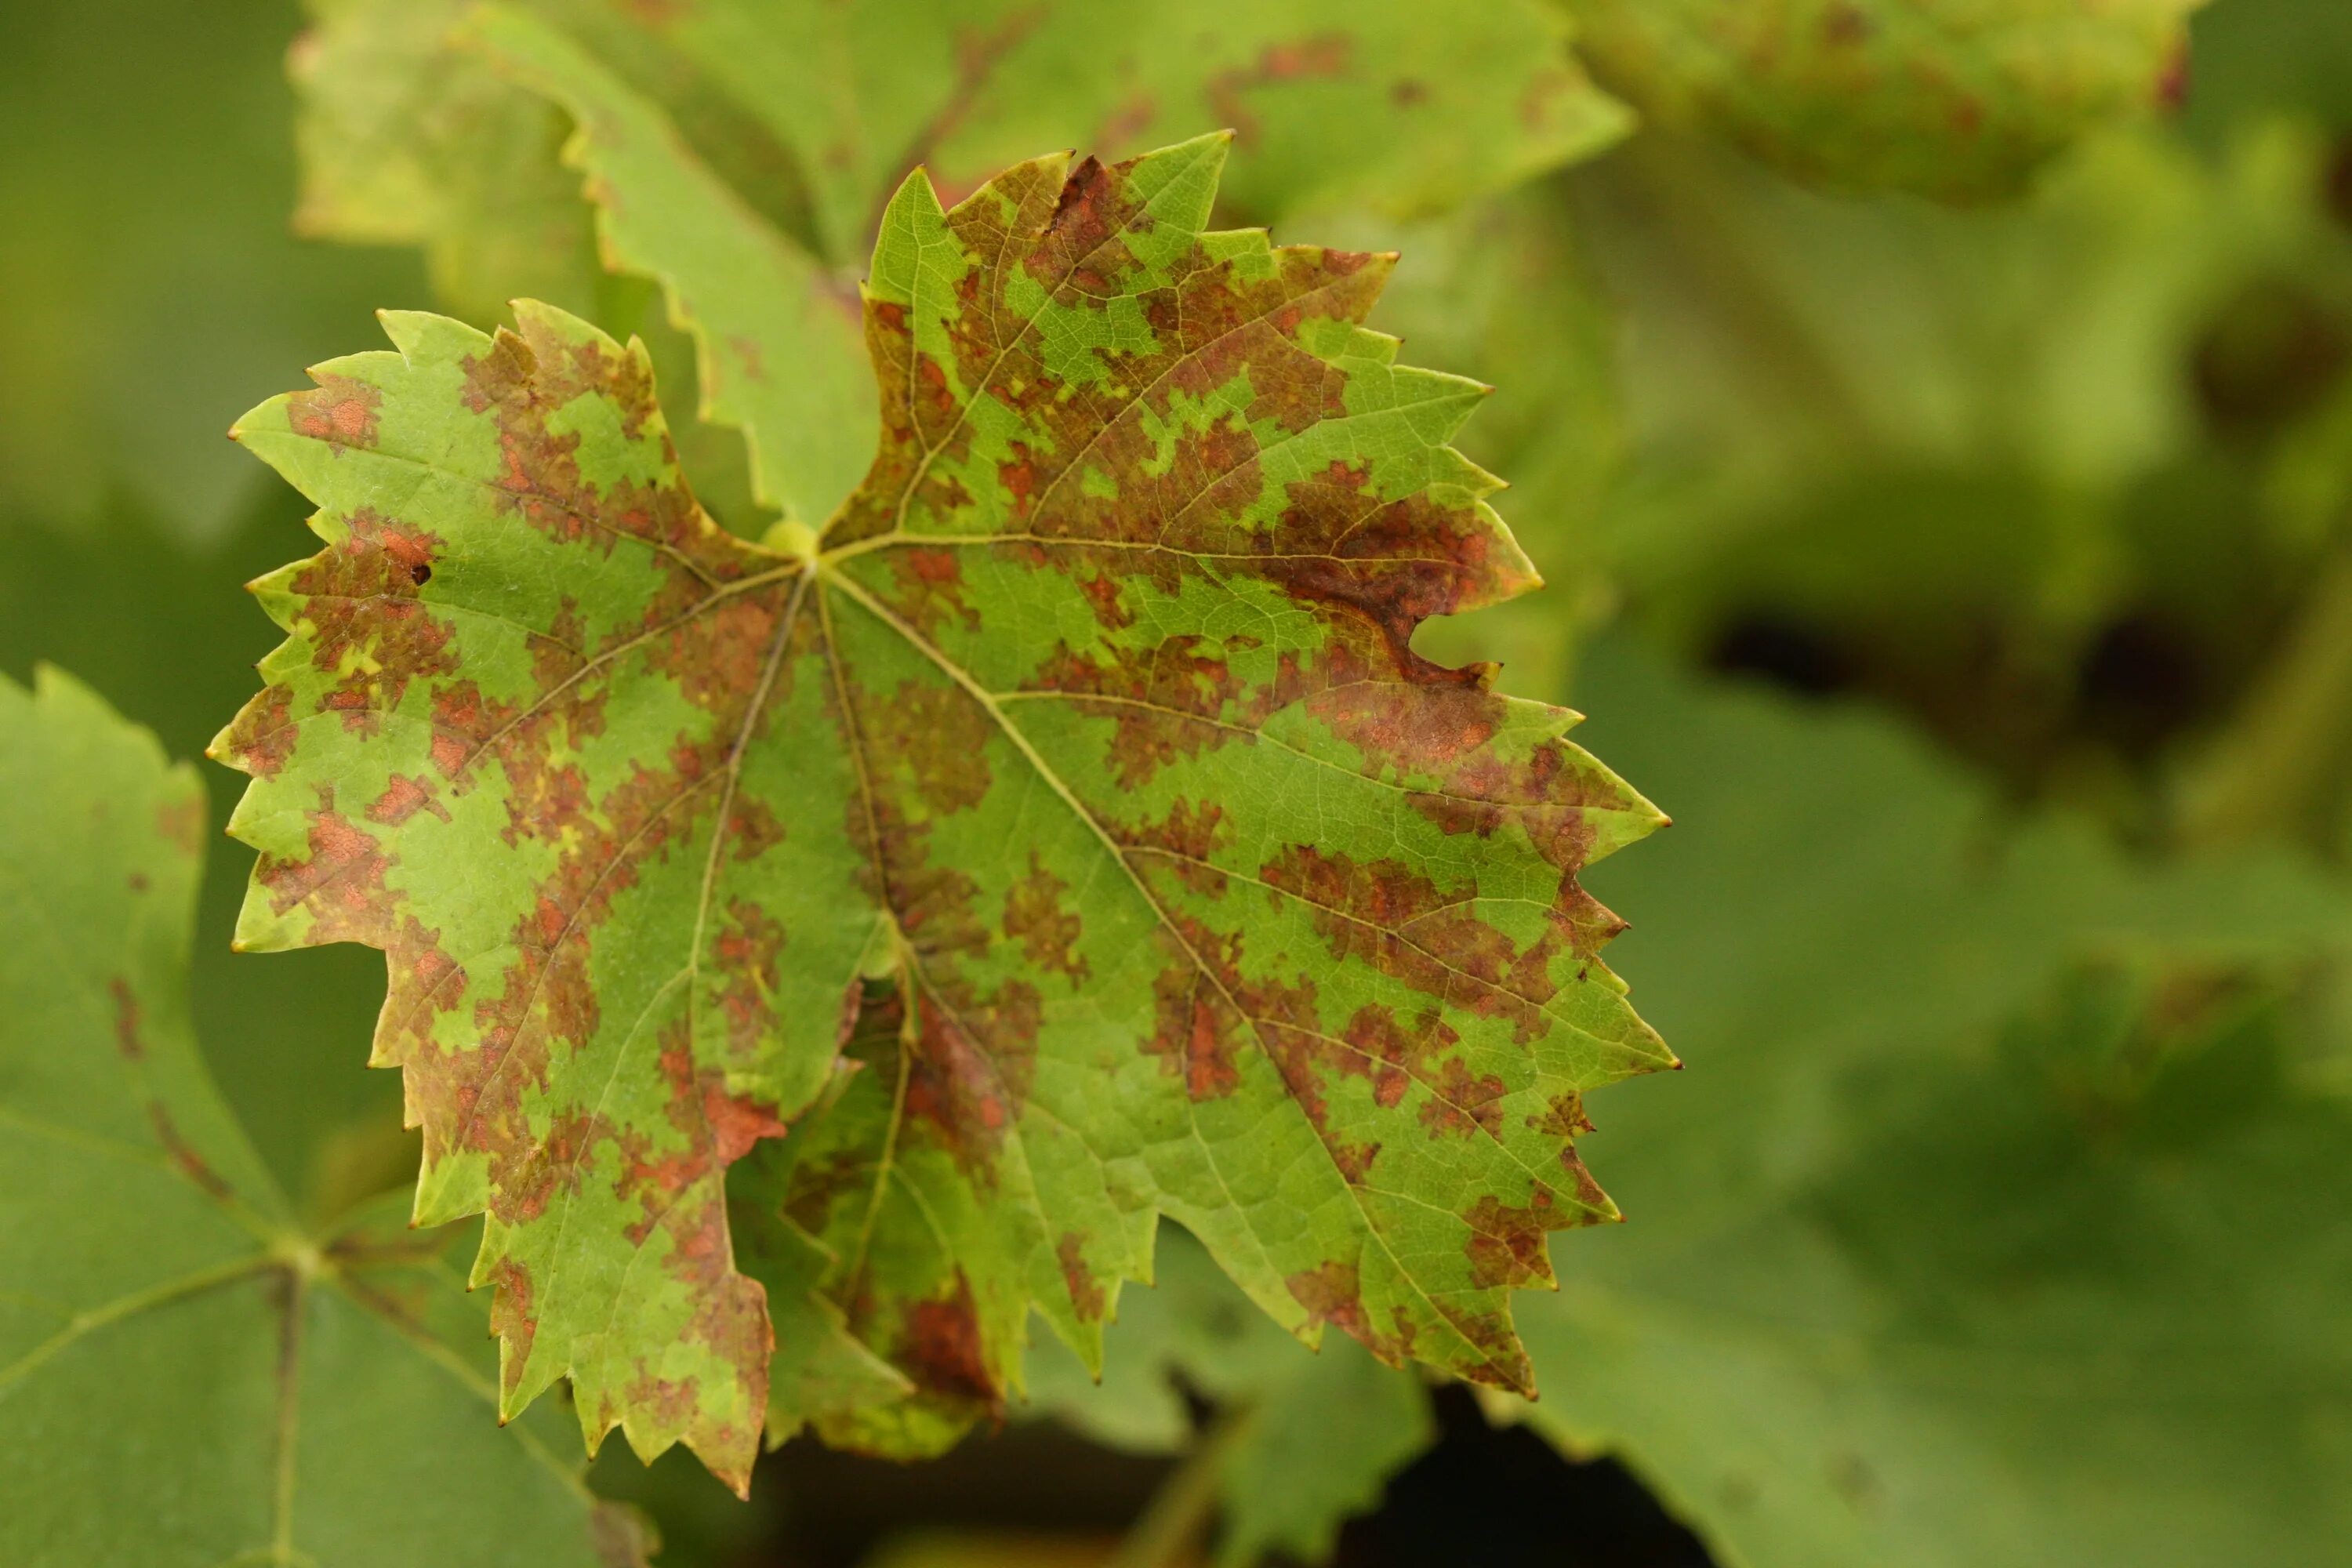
pixel 1089 730
pixel 1303 1442
pixel 402 140
pixel 1898 1292
pixel 280 1395
pixel 1959 99
pixel 741 155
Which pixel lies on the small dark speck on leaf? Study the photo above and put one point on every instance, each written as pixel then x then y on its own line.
pixel 420 574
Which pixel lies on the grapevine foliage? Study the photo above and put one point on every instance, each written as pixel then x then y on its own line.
pixel 272 1392
pixel 1959 99
pixel 1067 835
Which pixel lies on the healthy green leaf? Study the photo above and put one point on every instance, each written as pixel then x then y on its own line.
pixel 742 153
pixel 270 1395
pixel 1903 1296
pixel 1956 99
pixel 1089 730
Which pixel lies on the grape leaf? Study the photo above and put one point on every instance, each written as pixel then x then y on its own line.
pixel 1855 1325
pixel 280 1396
pixel 1959 99
pixel 1313 1439
pixel 1089 727
pixel 740 154
pixel 403 140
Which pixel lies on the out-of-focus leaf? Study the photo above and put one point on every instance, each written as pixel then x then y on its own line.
pixel 742 154
pixel 1117 627
pixel 174 645
pixel 1317 1451
pixel 2112 420
pixel 1318 1435
pixel 193 1379
pixel 404 140
pixel 146 191
pixel 2252 57
pixel 1892 1293
pixel 1957 99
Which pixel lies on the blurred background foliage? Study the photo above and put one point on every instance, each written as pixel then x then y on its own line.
pixel 1935 422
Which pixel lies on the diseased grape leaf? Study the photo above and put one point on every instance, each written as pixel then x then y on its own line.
pixel 273 1394
pixel 740 154
pixel 1316 1436
pixel 1089 730
pixel 1898 1291
pixel 1959 99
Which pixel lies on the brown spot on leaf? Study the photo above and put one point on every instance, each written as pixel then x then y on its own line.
pixel 339 411
pixel 1332 1294
pixel 1197 1032
pixel 941 1348
pixel 403 798
pixel 1038 916
pixel 126 1020
pixel 1507 1243
pixel 1085 1292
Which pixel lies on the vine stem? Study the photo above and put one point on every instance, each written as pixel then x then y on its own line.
pixel 1185 1503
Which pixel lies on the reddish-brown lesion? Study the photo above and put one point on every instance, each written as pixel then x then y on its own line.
pixel 1190 837
pixel 1332 1292
pixel 339 410
pixel 968 1070
pixel 262 738
pixel 749 946
pixel 1397 921
pixel 126 1020
pixel 930 590
pixel 941 1347
pixel 1198 1030
pixel 339 880
pixel 1039 915
pixel 1086 1299
pixel 1507 1243
pixel 403 796
pixel 363 620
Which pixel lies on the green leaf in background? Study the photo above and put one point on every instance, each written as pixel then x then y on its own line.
pixel 1956 99
pixel 1303 1442
pixel 1926 1297
pixel 175 644
pixel 743 154
pixel 404 140
pixel 190 1378
pixel 147 189
pixel 1090 724
pixel 2120 415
